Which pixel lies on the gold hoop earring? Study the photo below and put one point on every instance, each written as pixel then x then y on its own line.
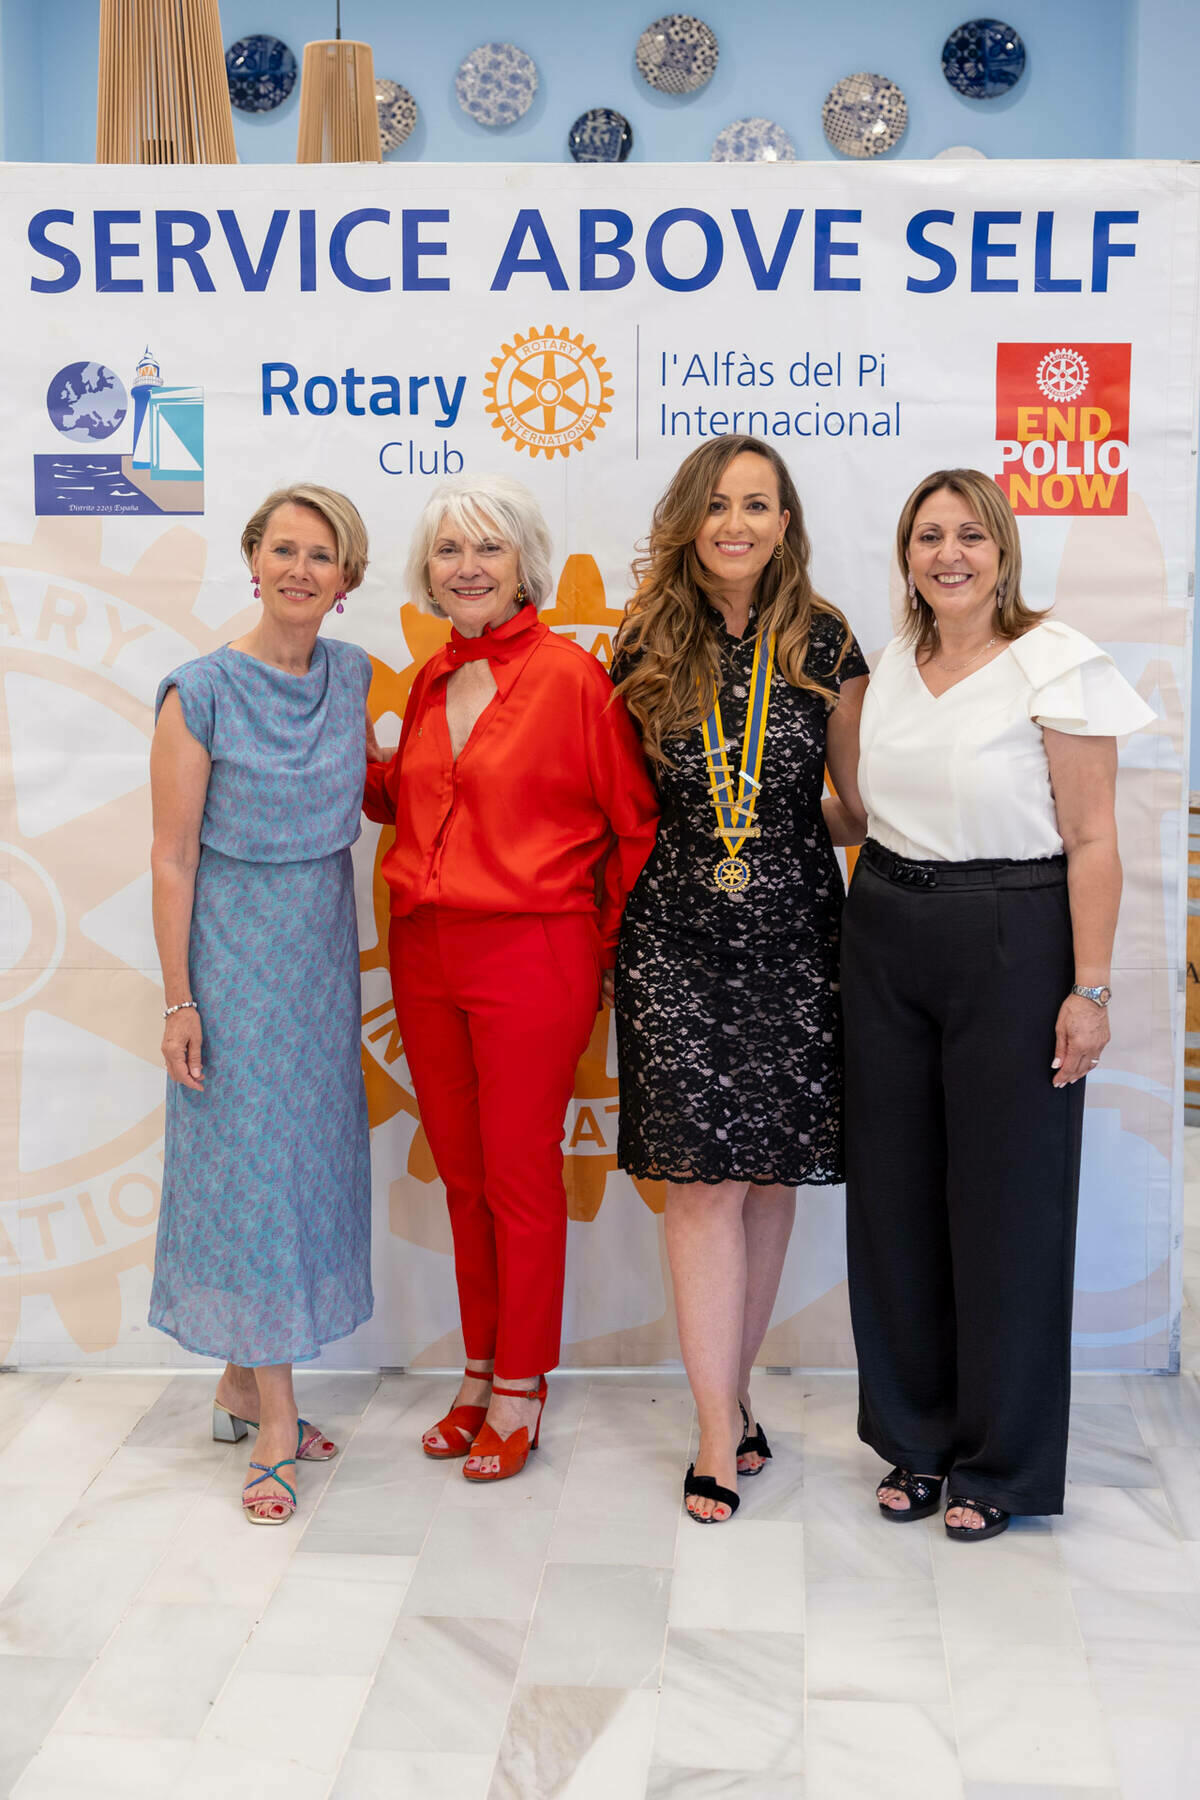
pixel 777 552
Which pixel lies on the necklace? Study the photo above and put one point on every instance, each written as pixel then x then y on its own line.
pixel 735 811
pixel 953 668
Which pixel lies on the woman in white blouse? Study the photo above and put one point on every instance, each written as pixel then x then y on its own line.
pixel 976 955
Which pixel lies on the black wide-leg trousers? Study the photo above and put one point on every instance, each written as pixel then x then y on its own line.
pixel 962 1170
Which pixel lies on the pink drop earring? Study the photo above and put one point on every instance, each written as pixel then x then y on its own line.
pixel 255 586
pixel 339 598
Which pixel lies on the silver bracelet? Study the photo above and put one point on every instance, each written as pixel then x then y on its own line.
pixel 180 1006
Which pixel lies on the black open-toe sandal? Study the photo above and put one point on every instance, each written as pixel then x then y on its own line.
pixel 924 1495
pixel 705 1487
pixel 753 1446
pixel 996 1517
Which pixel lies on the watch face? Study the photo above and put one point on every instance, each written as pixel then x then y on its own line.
pixel 1105 995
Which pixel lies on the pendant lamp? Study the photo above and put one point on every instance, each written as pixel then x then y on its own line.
pixel 162 95
pixel 339 118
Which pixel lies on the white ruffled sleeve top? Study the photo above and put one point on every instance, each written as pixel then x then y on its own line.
pixel 966 775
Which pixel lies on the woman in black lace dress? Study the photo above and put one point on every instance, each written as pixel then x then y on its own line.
pixel 728 1017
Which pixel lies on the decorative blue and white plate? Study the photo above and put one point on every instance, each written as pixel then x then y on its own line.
pixel 397 113
pixel 600 135
pixel 753 140
pixel 864 115
pixel 983 59
pixel 677 54
pixel 261 72
pixel 496 84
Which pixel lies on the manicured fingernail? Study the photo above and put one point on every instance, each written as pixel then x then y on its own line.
pixel 1057 1063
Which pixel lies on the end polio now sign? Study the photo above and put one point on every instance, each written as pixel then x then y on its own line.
pixel 1062 424
pixel 178 341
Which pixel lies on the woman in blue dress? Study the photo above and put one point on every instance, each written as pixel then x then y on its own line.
pixel 257 771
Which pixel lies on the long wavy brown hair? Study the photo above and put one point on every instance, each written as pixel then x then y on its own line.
pixel 668 629
pixel 990 505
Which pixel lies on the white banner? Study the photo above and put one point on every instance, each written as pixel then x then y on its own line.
pixel 179 341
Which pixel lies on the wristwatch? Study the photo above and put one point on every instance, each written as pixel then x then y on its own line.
pixel 1099 996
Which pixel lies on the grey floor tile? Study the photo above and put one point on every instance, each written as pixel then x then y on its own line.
pixel 1178 1470
pixel 33 1692
pixel 593 1742
pixel 597 1626
pixel 473 1566
pixel 864 1747
pixel 722 1784
pixel 21 1397
pixel 1167 1408
pixel 412 1775
pixel 443 1684
pixel 1008 1790
pixel 875 1640
pixel 1106 1448
pixel 160 1673
pixel 732 1700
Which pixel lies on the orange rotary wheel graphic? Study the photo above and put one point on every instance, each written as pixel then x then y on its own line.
pixel 549 393
pixel 81 1106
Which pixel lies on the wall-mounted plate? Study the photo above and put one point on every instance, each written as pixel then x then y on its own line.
pixel 397 113
pixel 261 72
pixel 677 54
pixel 983 59
pixel 864 115
pixel 753 140
pixel 600 135
pixel 496 84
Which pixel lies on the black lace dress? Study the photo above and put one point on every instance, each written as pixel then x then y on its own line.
pixel 729 1030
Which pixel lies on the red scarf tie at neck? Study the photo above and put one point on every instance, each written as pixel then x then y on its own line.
pixel 494 644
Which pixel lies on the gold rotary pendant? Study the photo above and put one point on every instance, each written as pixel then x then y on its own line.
pixel 732 875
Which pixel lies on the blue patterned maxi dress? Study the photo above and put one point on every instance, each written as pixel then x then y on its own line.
pixel 264 1239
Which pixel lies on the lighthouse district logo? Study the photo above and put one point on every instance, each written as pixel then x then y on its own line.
pixel 1062 427
pixel 144 444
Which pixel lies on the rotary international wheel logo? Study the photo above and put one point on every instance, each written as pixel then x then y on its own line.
pixel 549 392
pixel 1062 375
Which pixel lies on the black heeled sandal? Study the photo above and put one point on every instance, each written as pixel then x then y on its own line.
pixel 706 1487
pixel 753 1446
pixel 996 1517
pixel 924 1495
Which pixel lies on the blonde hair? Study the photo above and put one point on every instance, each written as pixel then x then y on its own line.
pixel 668 627
pixel 340 514
pixel 990 506
pixel 477 505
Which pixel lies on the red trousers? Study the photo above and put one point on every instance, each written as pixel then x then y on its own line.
pixel 495 1011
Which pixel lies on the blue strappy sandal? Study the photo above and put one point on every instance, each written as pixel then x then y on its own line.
pixel 249 1501
pixel 311 1443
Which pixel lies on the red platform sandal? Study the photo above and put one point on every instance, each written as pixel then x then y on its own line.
pixel 460 1425
pixel 512 1451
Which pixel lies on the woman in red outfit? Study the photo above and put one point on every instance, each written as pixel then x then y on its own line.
pixel 518 778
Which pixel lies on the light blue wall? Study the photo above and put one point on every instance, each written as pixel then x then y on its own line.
pixel 1105 78
pixel 778 59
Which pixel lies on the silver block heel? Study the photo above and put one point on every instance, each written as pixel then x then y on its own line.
pixel 227 1428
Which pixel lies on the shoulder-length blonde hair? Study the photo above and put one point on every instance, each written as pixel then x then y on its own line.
pixel 478 505
pixel 990 505
pixel 668 626
pixel 340 514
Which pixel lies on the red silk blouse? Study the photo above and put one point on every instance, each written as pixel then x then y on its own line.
pixel 550 783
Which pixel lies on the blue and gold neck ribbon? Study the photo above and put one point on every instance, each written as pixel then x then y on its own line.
pixel 735 812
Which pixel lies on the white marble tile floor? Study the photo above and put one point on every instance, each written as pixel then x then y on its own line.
pixel 569 1635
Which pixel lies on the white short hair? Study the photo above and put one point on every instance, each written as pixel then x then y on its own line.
pixel 477 505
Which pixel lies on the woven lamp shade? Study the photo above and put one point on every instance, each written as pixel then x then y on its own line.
pixel 162 96
pixel 339 120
